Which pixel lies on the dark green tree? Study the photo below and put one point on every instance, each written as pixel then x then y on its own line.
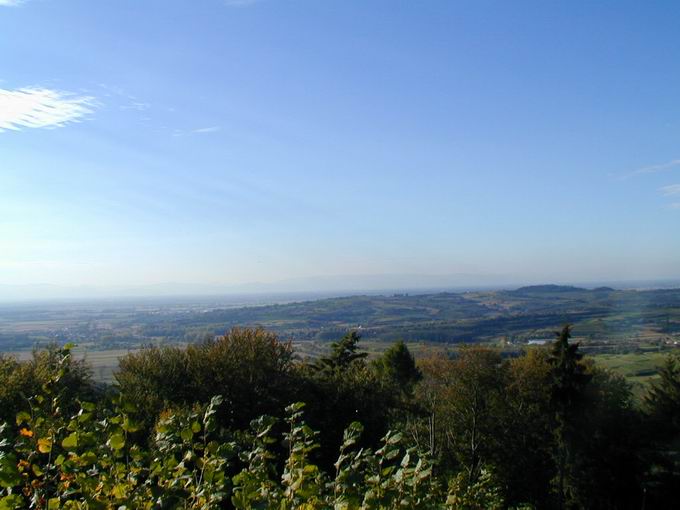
pixel 568 382
pixel 663 399
pixel 343 353
pixel 608 443
pixel 662 406
pixel 341 388
pixel 398 366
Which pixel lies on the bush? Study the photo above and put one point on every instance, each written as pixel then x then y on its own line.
pixel 249 367
pixel 52 366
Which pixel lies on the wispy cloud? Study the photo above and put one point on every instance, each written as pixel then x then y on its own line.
pixel 41 108
pixel 210 129
pixel 10 3
pixel 654 168
pixel 670 190
pixel 136 105
pixel 189 132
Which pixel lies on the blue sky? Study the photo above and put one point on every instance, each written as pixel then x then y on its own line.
pixel 214 141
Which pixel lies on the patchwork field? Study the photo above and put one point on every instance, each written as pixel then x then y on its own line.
pixel 629 331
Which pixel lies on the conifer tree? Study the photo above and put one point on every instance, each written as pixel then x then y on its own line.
pixel 568 382
pixel 398 366
pixel 663 398
pixel 662 404
pixel 343 353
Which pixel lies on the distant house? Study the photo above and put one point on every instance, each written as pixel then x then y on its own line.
pixel 538 342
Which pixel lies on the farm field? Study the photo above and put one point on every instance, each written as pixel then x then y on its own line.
pixel 604 319
pixel 629 331
pixel 638 368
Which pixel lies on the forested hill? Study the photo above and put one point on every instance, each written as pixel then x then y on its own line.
pixel 524 313
pixel 601 315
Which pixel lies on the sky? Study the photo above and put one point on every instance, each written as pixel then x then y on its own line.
pixel 235 141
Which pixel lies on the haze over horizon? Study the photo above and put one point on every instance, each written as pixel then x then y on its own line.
pixel 222 142
pixel 304 288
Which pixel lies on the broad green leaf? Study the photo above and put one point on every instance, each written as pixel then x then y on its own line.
pixel 187 434
pixel 129 425
pixel 88 458
pixel 117 441
pixel 88 406
pixel 84 417
pixel 11 502
pixel 23 417
pixel 9 474
pixel 70 441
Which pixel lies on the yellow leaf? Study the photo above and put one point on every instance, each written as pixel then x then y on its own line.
pixel 45 445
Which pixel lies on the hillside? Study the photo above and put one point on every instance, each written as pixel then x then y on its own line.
pixel 524 313
pixel 601 316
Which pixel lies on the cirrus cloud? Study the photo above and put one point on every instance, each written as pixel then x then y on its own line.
pixel 41 108
pixel 211 129
pixel 670 190
pixel 654 168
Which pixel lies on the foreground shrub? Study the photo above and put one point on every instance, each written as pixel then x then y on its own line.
pixel 257 375
pixel 96 458
pixel 70 378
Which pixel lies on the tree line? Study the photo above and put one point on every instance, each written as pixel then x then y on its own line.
pixel 239 421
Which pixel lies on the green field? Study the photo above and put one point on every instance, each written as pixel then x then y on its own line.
pixel 604 319
pixel 629 331
pixel 638 368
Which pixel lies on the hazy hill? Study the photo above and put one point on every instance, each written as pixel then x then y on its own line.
pixel 454 317
pixel 599 315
